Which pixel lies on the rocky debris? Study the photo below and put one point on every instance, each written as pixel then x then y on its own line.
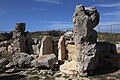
pixel 10 70
pixel 3 62
pixel 85 19
pixel 71 52
pixel 69 67
pixel 4 46
pixel 5 43
pixel 21 59
pixel 45 61
pixel 9 65
pixel 62 53
pixel 3 49
pixel 46 46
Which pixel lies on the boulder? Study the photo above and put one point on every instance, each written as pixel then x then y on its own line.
pixel 46 46
pixel 62 53
pixel 44 61
pixel 21 59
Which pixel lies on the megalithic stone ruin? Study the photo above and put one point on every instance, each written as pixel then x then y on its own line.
pixel 21 40
pixel 85 19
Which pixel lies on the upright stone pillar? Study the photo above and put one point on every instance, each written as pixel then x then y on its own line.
pixel 85 19
pixel 62 52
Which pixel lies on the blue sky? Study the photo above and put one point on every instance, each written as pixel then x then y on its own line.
pixel 53 14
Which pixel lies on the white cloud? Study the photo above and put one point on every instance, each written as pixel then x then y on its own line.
pixel 56 25
pixel 55 22
pixel 50 1
pixel 108 5
pixel 37 9
pixel 115 13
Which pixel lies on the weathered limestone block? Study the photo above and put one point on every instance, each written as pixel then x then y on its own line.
pixel 71 52
pixel 62 54
pixel 46 46
pixel 85 19
pixel 47 60
pixel 21 59
pixel 69 67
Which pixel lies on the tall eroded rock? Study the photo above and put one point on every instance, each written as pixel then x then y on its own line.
pixel 85 19
pixel 21 40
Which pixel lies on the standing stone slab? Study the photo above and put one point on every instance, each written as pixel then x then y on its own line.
pixel 46 46
pixel 85 19
pixel 62 49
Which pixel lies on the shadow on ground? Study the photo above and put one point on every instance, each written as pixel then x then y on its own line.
pixel 109 58
pixel 12 77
